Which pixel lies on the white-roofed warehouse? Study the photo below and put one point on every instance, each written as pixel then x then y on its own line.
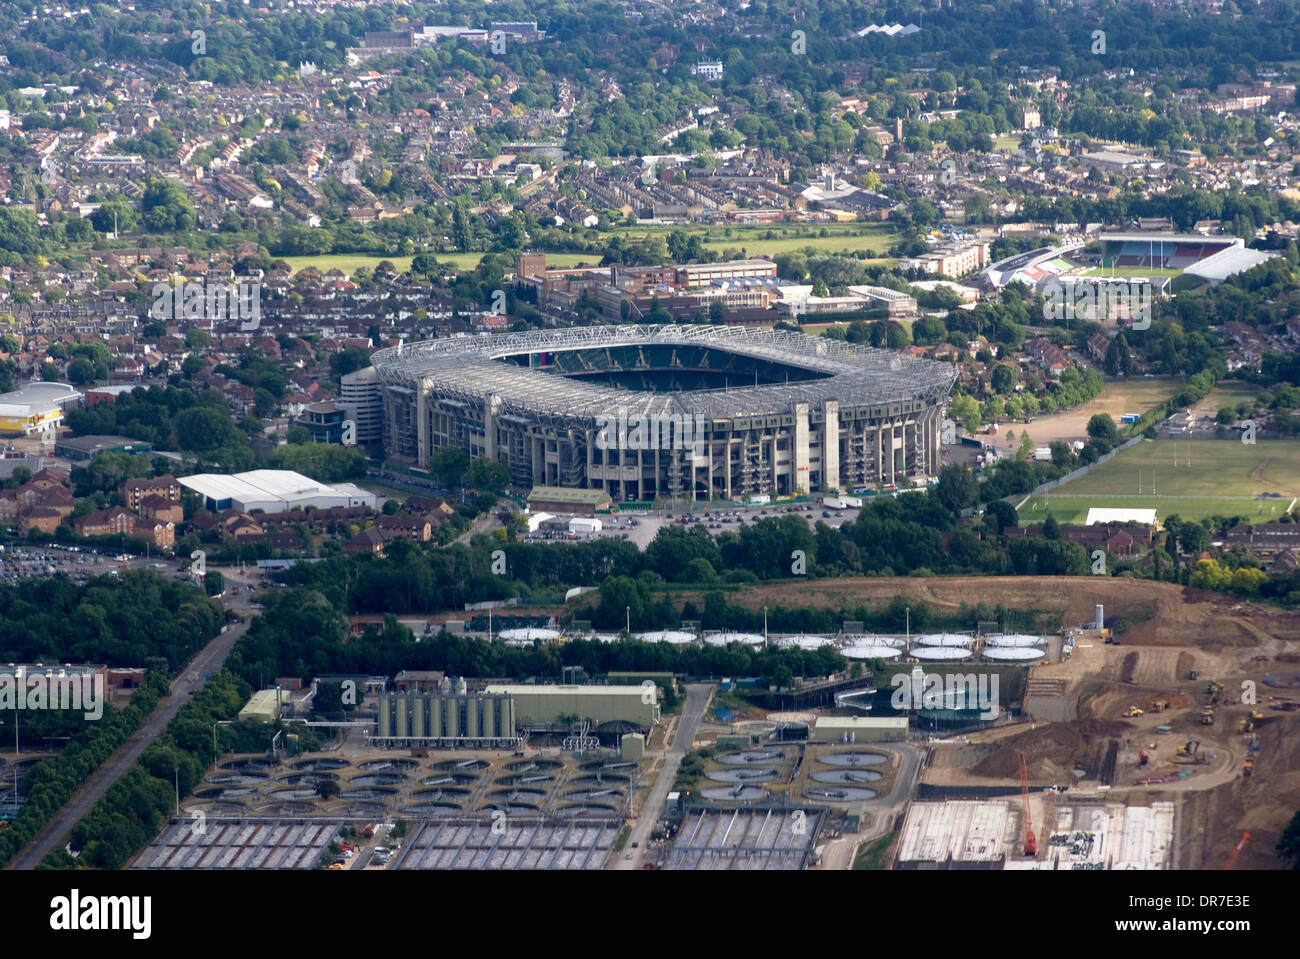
pixel 273 491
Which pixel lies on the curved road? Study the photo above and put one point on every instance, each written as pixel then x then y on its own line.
pixel 208 660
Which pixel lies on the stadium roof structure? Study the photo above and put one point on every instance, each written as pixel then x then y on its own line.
pixel 471 368
pixel 1229 262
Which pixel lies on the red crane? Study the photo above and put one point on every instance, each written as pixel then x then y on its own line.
pixel 1031 846
pixel 1236 851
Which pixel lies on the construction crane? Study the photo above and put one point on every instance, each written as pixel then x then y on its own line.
pixel 1031 846
pixel 1236 851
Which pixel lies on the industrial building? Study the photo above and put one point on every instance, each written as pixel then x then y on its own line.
pixel 554 705
pixel 264 706
pixel 860 729
pixel 446 720
pixel 36 408
pixel 273 491
pixel 751 838
pixel 730 411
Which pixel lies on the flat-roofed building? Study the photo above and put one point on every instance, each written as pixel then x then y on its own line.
pixel 36 408
pixel 273 491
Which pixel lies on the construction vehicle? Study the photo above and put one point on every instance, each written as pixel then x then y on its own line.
pixel 1236 851
pixel 1254 743
pixel 1215 692
pixel 1132 711
pixel 1190 753
pixel 1248 724
pixel 1247 768
pixel 1158 705
pixel 1207 716
pixel 1031 845
pixel 1143 758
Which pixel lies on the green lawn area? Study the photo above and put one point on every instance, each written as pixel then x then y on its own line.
pixel 1223 479
pixel 840 238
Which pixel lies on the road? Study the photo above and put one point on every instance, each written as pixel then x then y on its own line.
pixel 697 698
pixel 208 660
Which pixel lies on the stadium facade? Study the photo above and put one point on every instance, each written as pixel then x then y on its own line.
pixel 645 412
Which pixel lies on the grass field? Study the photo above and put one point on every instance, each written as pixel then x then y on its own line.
pixel 840 238
pixel 1223 479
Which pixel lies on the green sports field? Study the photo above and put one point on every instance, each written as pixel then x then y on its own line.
pixel 1211 478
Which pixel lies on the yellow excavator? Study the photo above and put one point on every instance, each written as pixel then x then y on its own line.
pixel 1248 723
pixel 1190 753
pixel 1207 716
pixel 1132 711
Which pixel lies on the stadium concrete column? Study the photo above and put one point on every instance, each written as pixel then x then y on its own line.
pixel 422 422
pixel 539 461
pixel 831 446
pixel 799 461
pixel 490 410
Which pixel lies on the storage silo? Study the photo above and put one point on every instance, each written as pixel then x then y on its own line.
pixel 403 716
pixel 471 716
pixel 453 718
pixel 385 715
pixel 507 725
pixel 419 707
pixel 436 703
pixel 489 706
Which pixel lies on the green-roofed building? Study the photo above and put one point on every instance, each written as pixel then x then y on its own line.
pixel 557 499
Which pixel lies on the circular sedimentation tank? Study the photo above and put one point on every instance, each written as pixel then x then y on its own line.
pixel 220 809
pixel 527 779
pixel 941 639
pixel 1013 640
pixel 295 792
pixel 309 779
pixel 237 779
pixel 387 765
pixel 743 775
pixel 593 795
pixel 528 636
pixel 448 794
pixel 870 652
pixel 807 643
pixel 461 765
pixel 432 809
pixel 752 640
pixel 847 777
pixel 377 779
pixel 217 793
pixel 852 759
pixel 750 756
pixel 733 793
pixel 626 767
pixel 367 792
pixel 1013 654
pixel 673 636
pixel 285 809
pixel 838 793
pixel 319 765
pixel 870 639
pixel 589 809
pixel 447 779
pixel 529 765
pixel 249 765
pixel 601 780
pixel 940 653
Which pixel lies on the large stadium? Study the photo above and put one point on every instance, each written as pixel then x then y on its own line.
pixel 645 412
